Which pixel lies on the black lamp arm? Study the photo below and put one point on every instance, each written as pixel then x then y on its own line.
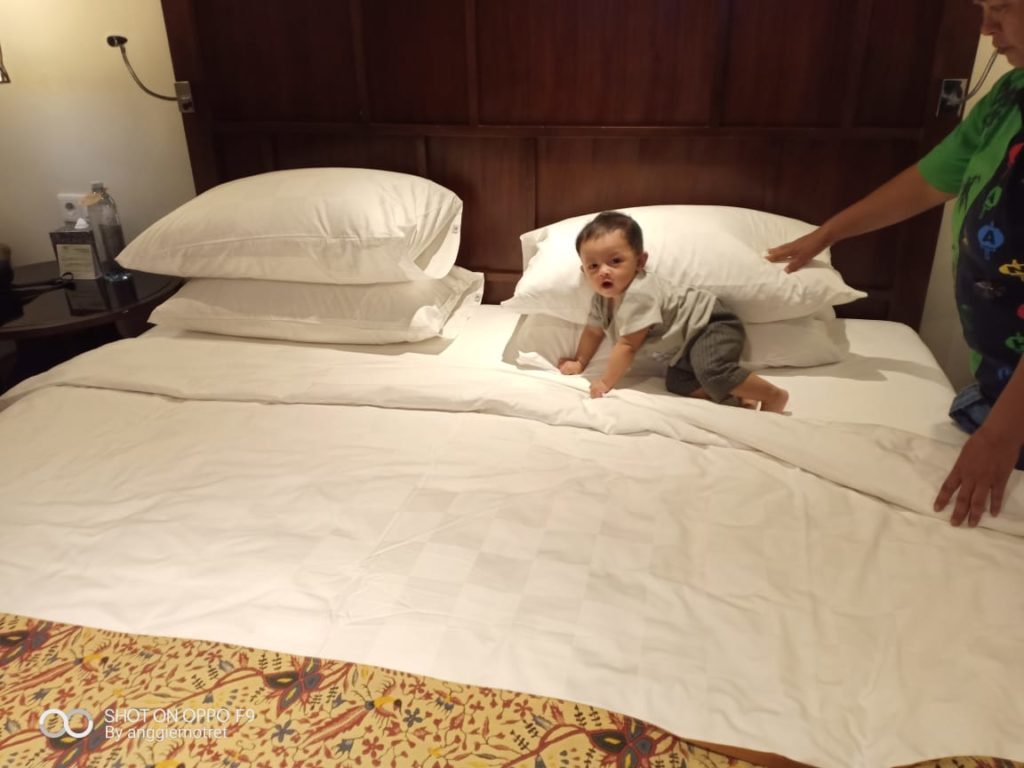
pixel 183 91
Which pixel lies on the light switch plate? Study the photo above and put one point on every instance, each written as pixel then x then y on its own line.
pixel 951 96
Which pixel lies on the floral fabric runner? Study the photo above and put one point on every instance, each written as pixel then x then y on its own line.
pixel 75 696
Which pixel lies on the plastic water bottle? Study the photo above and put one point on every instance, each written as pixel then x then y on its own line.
pixel 106 230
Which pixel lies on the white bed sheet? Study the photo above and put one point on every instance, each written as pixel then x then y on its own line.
pixel 889 376
pixel 750 579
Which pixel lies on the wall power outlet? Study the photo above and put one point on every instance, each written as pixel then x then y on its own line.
pixel 71 208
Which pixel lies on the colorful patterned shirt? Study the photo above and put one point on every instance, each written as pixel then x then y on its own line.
pixel 980 160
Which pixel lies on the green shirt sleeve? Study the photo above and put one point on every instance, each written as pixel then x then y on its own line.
pixel 946 165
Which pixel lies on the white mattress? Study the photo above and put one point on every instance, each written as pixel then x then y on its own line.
pixel 770 582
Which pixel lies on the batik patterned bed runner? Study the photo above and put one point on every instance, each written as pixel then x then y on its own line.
pixel 75 696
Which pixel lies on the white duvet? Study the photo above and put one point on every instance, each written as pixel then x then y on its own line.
pixel 735 577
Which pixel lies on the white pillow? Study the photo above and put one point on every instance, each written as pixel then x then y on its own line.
pixel 383 313
pixel 716 248
pixel 542 340
pixel 802 342
pixel 311 225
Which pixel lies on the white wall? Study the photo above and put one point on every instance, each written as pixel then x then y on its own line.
pixel 940 326
pixel 72 114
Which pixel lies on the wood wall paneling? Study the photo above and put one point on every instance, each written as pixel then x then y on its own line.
pixel 596 62
pixel 785 59
pixel 955 47
pixel 817 179
pixel 186 58
pixel 584 175
pixel 401 154
pixel 495 179
pixel 416 60
pixel 278 60
pixel 895 88
pixel 245 154
pixel 819 176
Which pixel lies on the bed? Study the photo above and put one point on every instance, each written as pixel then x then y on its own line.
pixel 437 553
pixel 776 584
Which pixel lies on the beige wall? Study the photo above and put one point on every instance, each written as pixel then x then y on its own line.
pixel 940 327
pixel 72 115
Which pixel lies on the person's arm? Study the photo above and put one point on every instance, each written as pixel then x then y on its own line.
pixel 934 179
pixel 620 361
pixel 903 196
pixel 590 340
pixel 987 458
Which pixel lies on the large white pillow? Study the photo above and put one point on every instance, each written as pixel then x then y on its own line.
pixel 542 340
pixel 383 313
pixel 311 225
pixel 719 249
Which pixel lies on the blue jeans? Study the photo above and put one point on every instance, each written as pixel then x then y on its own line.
pixel 969 410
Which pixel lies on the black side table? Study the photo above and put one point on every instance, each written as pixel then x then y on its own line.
pixel 58 324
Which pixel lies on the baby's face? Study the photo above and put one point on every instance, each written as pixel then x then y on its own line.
pixel 609 264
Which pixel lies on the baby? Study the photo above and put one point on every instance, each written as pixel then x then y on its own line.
pixel 688 327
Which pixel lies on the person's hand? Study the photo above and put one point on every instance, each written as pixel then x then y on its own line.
pixel 570 366
pixel 598 389
pixel 800 251
pixel 979 477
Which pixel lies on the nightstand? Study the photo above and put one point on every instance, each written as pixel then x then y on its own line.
pixel 58 324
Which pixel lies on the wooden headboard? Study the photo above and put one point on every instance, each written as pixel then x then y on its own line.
pixel 535 110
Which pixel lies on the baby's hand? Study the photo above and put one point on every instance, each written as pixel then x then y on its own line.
pixel 570 366
pixel 598 389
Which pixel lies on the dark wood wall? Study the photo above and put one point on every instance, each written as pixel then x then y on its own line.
pixel 535 110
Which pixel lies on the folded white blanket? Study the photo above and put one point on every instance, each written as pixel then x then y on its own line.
pixel 898 466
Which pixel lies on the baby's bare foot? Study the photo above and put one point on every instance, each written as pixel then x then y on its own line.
pixel 776 403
